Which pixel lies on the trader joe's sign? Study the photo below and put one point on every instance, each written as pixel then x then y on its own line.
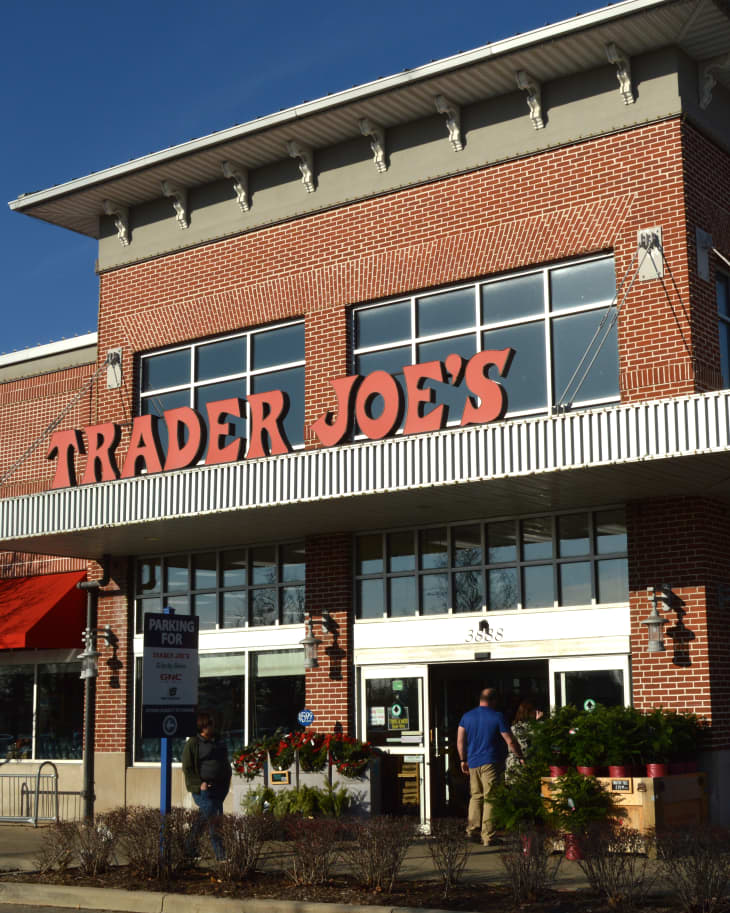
pixel 358 398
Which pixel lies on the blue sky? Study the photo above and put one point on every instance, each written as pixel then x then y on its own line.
pixel 87 85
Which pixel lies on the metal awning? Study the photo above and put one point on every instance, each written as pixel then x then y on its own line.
pixel 663 448
pixel 701 28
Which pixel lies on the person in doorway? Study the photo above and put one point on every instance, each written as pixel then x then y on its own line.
pixel 483 740
pixel 207 773
pixel 523 722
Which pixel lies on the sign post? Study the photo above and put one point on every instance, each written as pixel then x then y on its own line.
pixel 169 686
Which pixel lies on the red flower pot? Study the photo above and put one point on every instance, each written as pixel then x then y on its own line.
pixel 587 771
pixel 677 767
pixel 619 770
pixel 572 848
pixel 557 770
pixel 657 770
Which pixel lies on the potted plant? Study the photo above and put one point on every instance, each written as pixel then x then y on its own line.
pixel 623 728
pixel 659 741
pixel 552 740
pixel 588 744
pixel 688 734
pixel 312 751
pixel 517 804
pixel 577 803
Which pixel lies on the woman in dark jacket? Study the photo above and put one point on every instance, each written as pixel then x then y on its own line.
pixel 207 773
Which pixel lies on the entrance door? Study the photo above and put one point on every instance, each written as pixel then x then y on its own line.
pixel 584 681
pixel 454 688
pixel 395 718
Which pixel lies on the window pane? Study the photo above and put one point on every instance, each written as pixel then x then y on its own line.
pixel 221 691
pixel 502 542
pixel 575 583
pixel 370 554
pixel 235 609
pixel 400 552
pixel 467 545
pixel 571 338
pixel 391 361
pixel 290 382
pixel 526 381
pixel 444 312
pixel 16 711
pixel 211 393
pixel 573 535
pixel 170 369
pixel 204 571
pixel 451 395
pixel 263 564
pixel 502 589
pixel 537 538
pixel 379 325
pixel 205 606
pixel 60 711
pixel 538 587
pixel 277 691
pixel 144 607
pixel 263 607
pixel 292 605
pixel 292 563
pixel 509 299
pixel 610 531
pixel 218 359
pixel 277 347
pixel 371 598
pixel 434 549
pixel 148 576
pixel 159 403
pixel 402 592
pixel 179 604
pixel 613 580
pixel 176 573
pixel 468 591
pixel 434 594
pixel 233 568
pixel 583 283
pixel 604 686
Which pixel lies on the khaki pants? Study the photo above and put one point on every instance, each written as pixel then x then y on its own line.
pixel 481 780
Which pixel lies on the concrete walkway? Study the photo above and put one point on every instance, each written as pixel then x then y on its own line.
pixel 19 845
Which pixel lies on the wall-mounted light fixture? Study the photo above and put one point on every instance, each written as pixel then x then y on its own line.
pixel 654 621
pixel 311 643
pixel 90 656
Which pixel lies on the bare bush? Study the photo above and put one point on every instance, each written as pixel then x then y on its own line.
pixel 530 866
pixel 615 863
pixel 180 842
pixel 157 846
pixel 314 849
pixel 96 842
pixel 449 849
pixel 243 838
pixel 377 849
pixel 58 847
pixel 696 863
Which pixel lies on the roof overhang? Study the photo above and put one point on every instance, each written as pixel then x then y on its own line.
pixel 665 448
pixel 701 28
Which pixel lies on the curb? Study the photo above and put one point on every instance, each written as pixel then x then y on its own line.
pixel 116 899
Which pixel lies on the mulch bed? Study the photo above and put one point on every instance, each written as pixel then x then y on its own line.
pixel 477 897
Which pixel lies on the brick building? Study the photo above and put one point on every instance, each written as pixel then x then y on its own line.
pixel 520 258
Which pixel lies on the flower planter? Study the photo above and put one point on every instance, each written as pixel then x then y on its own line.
pixel 572 848
pixel 657 770
pixel 558 770
pixel 364 790
pixel 316 778
pixel 240 787
pixel 620 770
pixel 588 771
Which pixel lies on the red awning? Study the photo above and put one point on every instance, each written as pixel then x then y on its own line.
pixel 43 612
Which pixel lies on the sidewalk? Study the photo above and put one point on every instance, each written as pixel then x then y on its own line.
pixel 20 843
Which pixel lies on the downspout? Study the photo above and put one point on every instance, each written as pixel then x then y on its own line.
pixel 92 588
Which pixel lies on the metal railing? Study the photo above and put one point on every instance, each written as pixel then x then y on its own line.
pixel 32 797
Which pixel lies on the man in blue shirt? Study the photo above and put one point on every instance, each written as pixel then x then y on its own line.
pixel 482 741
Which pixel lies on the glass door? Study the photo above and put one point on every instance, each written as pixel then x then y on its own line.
pixel 585 681
pixel 394 708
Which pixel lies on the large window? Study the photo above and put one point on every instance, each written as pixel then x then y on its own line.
pixel 41 711
pixel 234 588
pixel 571 559
pixel 549 316
pixel 256 361
pixel 723 313
pixel 273 692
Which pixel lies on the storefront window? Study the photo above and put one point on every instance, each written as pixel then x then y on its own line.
pixel 570 559
pixel 52 694
pixel 257 361
pixel 549 316
pixel 232 588
pixel 277 691
pixel 723 313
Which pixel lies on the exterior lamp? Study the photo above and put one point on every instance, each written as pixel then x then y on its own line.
pixel 89 665
pixel 655 622
pixel 311 646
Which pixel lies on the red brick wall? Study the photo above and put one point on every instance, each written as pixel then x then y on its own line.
pixel 684 543
pixel 116 670
pixel 330 687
